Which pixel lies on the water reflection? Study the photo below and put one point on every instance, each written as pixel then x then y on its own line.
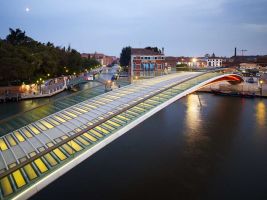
pixel 193 112
pixel 261 113
pixel 193 119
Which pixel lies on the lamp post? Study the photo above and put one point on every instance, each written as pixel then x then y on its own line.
pixel 261 82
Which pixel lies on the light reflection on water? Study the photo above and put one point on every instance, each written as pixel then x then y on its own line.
pixel 261 114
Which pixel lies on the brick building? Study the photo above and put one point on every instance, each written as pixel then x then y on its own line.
pixel 103 59
pixel 146 60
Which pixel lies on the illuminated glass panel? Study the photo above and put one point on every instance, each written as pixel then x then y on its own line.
pixel 101 129
pixel 95 133
pixel 33 129
pixel 3 145
pixel 27 133
pixel 107 126
pixel 53 121
pixel 19 180
pixel 49 158
pixel 75 145
pixel 90 137
pixel 113 123
pixel 71 114
pixel 11 140
pixel 83 141
pixel 19 136
pixel 6 186
pixel 40 165
pixel 41 126
pixel 30 171
pixel 48 125
pixel 67 148
pixel 59 154
pixel 60 119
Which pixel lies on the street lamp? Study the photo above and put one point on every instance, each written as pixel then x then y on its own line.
pixel 261 82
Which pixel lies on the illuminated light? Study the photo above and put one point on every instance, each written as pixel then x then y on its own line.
pixel 194 60
pixel 261 114
pixel 27 9
pixel 48 75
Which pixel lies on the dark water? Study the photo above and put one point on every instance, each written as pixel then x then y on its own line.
pixel 217 151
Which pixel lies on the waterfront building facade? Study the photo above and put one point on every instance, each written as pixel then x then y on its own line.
pixel 146 60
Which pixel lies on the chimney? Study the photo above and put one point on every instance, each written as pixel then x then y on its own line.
pixel 235 51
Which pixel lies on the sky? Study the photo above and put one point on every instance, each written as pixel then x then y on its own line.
pixel 182 27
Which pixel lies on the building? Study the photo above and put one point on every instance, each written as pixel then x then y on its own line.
pixel 103 59
pixel 146 60
pixel 214 62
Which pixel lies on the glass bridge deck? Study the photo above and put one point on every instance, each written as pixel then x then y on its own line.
pixel 32 152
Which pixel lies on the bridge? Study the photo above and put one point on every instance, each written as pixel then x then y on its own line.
pixel 35 155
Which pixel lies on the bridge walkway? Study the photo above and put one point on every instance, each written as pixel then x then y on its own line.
pixel 35 151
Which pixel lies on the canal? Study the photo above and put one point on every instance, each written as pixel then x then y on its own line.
pixel 213 150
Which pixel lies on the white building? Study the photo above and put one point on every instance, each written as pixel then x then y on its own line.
pixel 214 62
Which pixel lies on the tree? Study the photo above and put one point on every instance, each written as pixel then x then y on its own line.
pixel 17 37
pixel 125 56
pixel 155 49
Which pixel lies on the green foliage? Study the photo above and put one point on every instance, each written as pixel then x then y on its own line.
pixel 125 56
pixel 24 59
pixel 182 67
pixel 155 49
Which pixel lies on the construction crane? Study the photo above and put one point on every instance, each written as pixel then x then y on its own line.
pixel 242 51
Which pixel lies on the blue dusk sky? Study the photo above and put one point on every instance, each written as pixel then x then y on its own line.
pixel 182 27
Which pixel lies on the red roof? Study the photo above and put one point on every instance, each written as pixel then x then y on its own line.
pixel 145 52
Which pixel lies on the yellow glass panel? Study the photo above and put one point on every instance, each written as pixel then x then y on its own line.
pixel 139 108
pixel 53 121
pixel 32 154
pixel 27 133
pixel 113 123
pixel 95 133
pixel 50 144
pixel 30 172
pixel 92 106
pixel 59 118
pixel 35 130
pixel 67 117
pixel 3 145
pixel 75 145
pixel 71 114
pixel 64 137
pixel 41 166
pixel 11 140
pixel 6 186
pixel 48 125
pixel 41 126
pixel 59 154
pixel 68 149
pixel 18 178
pixel 19 136
pixel 50 159
pixel 102 129
pixel 90 137
pixel 122 117
pixel 118 120
pixel 83 141
pixel 133 113
pixel 81 110
pixel 90 123
pixel 108 126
